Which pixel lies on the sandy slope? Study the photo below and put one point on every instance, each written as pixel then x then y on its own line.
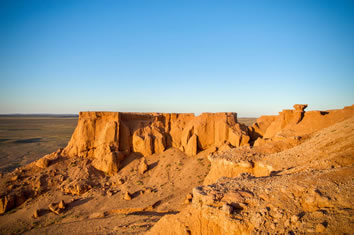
pixel 171 176
pixel 310 190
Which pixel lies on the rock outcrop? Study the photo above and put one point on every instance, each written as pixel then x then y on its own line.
pixel 57 208
pixel 107 137
pixel 297 122
pixel 234 163
pixel 295 176
pixel 42 162
pixel 294 204
pixel 11 200
pixel 143 166
pixel 308 189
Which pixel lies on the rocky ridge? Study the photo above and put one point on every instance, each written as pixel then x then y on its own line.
pixel 141 163
pixel 303 189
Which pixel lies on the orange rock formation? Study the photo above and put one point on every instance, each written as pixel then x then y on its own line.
pixel 297 122
pixel 107 137
pixel 286 174
pixel 300 190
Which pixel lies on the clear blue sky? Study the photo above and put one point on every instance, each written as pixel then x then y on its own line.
pixel 249 57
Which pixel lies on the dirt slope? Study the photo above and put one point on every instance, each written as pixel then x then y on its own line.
pixel 309 190
pixel 101 208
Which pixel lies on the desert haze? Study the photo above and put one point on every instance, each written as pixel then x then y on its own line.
pixel 173 173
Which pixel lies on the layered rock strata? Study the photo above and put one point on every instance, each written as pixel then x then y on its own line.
pixel 303 190
pixel 107 137
pixel 235 162
pixel 276 134
pixel 290 204
pixel 296 122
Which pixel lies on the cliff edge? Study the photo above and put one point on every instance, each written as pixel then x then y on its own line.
pixel 108 137
pixel 124 173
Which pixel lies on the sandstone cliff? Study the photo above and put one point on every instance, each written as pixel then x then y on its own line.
pixel 305 189
pixel 273 134
pixel 107 137
pixel 297 122
pixel 290 173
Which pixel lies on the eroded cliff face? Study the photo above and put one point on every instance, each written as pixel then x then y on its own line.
pixel 272 134
pixel 296 178
pixel 297 122
pixel 305 189
pixel 97 137
pixel 107 137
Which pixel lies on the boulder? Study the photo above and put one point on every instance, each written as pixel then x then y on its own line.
pixel 127 196
pixel 76 187
pixel 188 198
pixel 7 202
pixel 108 162
pixel 61 205
pixel 56 208
pixel 14 178
pixel 35 214
pixel 143 166
pixel 11 200
pixel 42 162
pixel 227 209
pixel 320 228
pixel 97 215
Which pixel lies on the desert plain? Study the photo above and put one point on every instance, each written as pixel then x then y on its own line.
pixel 172 173
pixel 25 138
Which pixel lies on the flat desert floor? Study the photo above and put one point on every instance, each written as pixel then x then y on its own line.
pixel 24 139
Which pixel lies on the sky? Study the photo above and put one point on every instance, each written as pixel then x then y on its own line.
pixel 250 57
